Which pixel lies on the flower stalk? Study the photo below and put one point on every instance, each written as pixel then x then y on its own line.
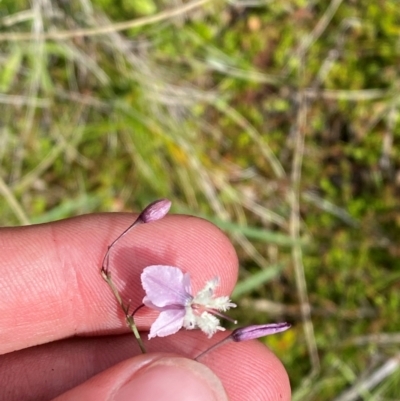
pixel 153 212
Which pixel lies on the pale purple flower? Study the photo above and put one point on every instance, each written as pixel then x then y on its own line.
pixel 168 290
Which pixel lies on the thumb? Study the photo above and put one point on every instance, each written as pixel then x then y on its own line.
pixel 151 377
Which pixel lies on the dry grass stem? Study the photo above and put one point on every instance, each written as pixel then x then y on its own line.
pixel 117 27
pixel 294 201
pixel 364 386
pixel 13 203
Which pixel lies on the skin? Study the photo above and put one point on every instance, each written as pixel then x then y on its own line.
pixel 63 335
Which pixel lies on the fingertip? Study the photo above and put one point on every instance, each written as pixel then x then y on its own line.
pixel 151 377
pixel 248 370
pixel 258 374
pixel 173 379
pixel 210 251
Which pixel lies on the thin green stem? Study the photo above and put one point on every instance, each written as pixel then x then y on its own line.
pixel 129 318
pixel 104 266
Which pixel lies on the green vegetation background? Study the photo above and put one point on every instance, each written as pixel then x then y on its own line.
pixel 277 120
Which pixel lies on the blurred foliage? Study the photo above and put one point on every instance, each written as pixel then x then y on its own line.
pixel 203 108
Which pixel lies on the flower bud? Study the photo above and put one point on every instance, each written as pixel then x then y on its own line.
pixel 155 211
pixel 257 331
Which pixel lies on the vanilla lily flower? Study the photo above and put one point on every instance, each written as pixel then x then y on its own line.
pixel 168 290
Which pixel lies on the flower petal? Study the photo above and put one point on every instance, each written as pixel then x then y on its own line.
pixel 165 285
pixel 167 323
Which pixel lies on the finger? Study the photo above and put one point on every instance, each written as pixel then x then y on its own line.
pixel 154 377
pixel 248 370
pixel 51 286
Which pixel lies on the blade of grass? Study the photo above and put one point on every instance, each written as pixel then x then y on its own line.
pixel 362 387
pixel 242 122
pixel 82 204
pixel 297 257
pixel 256 280
pixel 13 203
pixel 121 26
pixel 253 233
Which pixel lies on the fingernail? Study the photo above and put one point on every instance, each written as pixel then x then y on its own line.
pixel 177 379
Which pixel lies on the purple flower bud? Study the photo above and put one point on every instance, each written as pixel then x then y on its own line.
pixel 257 331
pixel 155 211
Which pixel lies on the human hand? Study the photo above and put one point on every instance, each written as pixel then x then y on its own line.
pixel 62 333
